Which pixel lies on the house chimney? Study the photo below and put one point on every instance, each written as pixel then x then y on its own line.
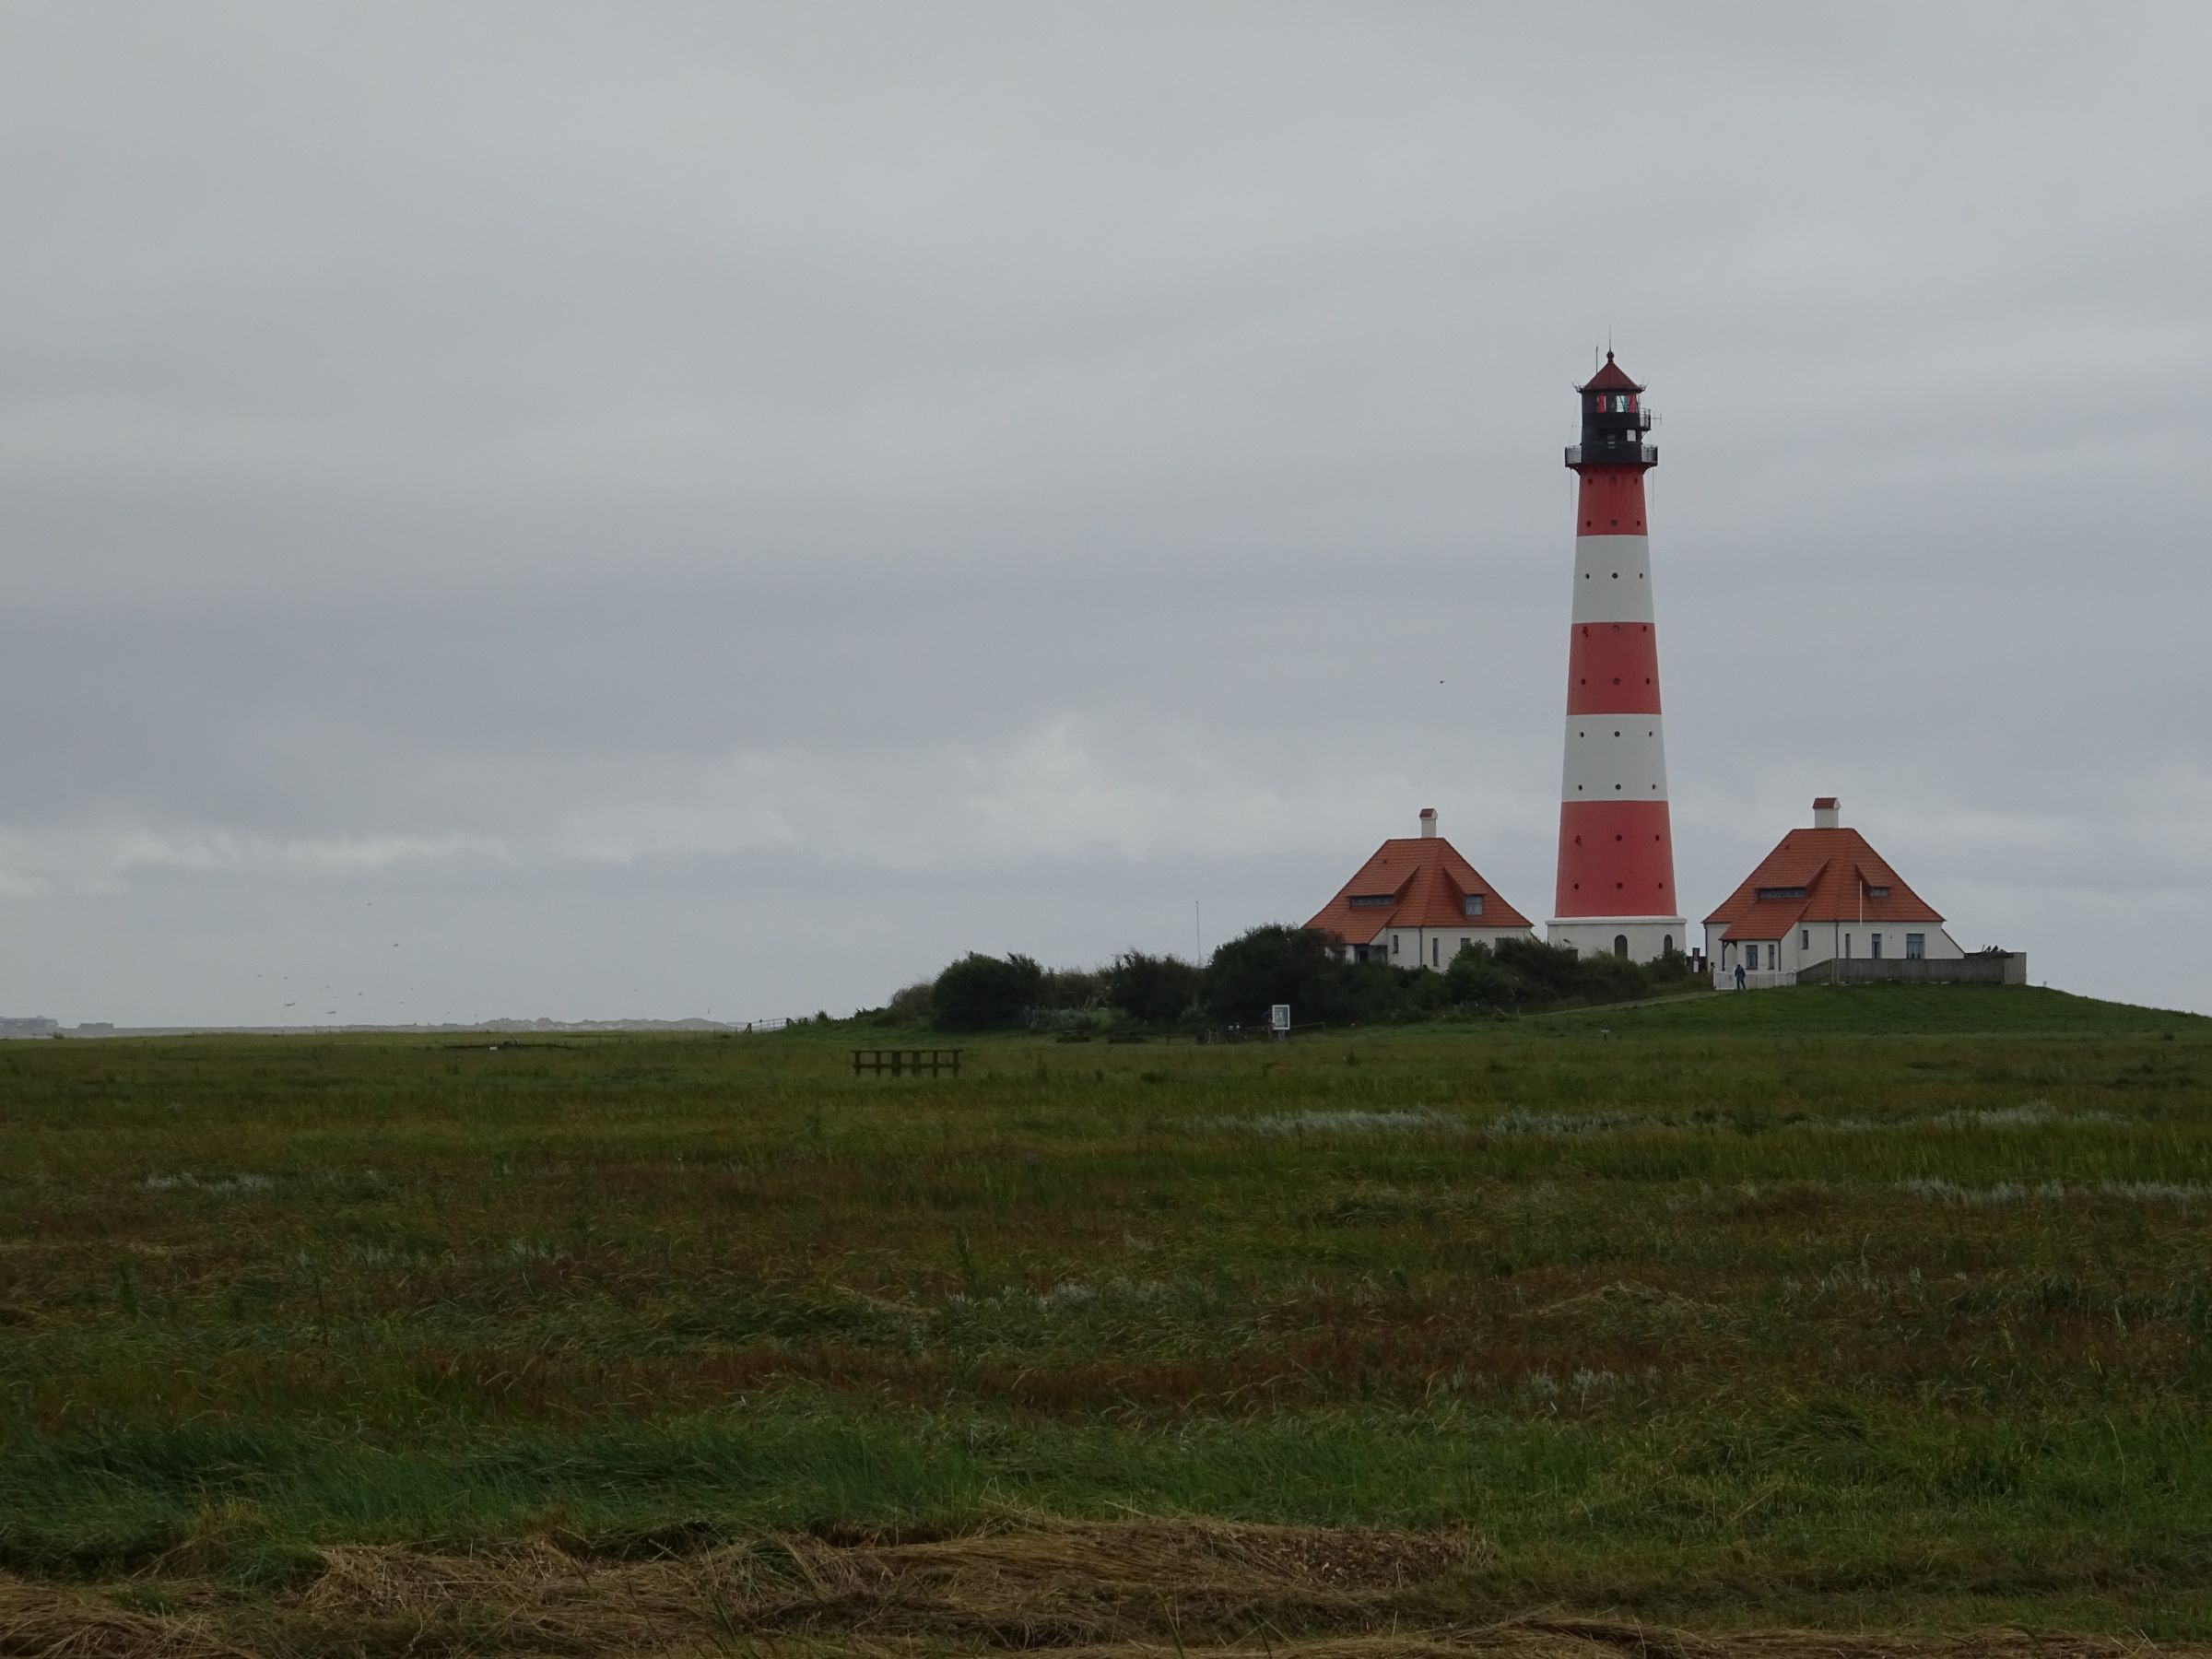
pixel 1428 823
pixel 1826 815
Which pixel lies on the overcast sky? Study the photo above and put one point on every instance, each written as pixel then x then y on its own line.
pixel 661 509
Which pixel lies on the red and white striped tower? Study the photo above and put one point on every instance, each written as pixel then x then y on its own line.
pixel 1617 852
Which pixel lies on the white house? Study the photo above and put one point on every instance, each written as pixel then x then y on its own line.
pixel 1823 893
pixel 1415 903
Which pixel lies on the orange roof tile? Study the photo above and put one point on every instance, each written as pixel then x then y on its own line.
pixel 1833 868
pixel 1426 881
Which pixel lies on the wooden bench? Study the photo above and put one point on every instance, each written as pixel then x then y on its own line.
pixel 899 1062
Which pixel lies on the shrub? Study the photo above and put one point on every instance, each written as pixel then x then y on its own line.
pixel 1152 990
pixel 1073 988
pixel 983 993
pixel 1476 977
pixel 912 1004
pixel 1273 964
pixel 1276 964
pixel 1547 973
pixel 1059 1019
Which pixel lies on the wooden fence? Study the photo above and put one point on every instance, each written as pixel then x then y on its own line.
pixel 899 1062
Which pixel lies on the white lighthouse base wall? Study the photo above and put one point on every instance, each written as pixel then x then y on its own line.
pixel 1648 937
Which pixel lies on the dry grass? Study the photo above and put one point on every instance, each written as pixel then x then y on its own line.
pixel 1123 1589
pixel 1046 1585
pixel 45 1619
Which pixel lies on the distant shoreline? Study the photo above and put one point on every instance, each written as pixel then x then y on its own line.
pixel 98 1032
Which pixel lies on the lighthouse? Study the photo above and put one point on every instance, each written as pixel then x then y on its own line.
pixel 1616 855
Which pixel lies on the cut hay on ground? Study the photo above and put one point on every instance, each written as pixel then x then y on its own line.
pixel 44 1620
pixel 1133 1590
pixel 1046 1585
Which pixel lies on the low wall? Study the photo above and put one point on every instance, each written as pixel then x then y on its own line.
pixel 1989 968
pixel 1755 979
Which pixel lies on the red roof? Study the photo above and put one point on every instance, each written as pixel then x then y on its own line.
pixel 1610 379
pixel 1818 875
pixel 1426 882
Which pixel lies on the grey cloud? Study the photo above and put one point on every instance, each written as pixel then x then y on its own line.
pixel 658 495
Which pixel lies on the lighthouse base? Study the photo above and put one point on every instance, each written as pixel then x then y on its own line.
pixel 1639 939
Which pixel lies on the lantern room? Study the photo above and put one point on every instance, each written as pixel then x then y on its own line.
pixel 1614 422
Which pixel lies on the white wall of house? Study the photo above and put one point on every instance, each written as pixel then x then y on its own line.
pixel 1819 941
pixel 1432 948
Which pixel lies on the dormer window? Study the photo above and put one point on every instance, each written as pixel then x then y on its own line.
pixel 1372 900
pixel 1473 903
pixel 1878 893
pixel 1781 892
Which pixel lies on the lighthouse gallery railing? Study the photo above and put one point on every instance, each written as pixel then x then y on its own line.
pixel 1623 455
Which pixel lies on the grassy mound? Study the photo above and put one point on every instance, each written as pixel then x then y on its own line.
pixel 1893 1009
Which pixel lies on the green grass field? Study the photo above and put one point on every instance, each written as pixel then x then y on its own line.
pixel 1865 1308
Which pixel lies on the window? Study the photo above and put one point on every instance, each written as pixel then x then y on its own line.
pixel 1435 949
pixel 1620 945
pixel 1916 947
pixel 1666 946
pixel 1878 893
pixel 1847 945
pixel 1805 938
pixel 1473 905
pixel 1873 946
pixel 1772 959
pixel 1393 944
pixel 1777 892
pixel 1372 900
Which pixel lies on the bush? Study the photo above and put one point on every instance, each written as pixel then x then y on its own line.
pixel 1475 977
pixel 1545 972
pixel 1273 964
pixel 1152 990
pixel 911 1005
pixel 986 993
pixel 1060 1020
pixel 1609 977
pixel 1082 988
pixel 1278 964
pixel 1375 992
